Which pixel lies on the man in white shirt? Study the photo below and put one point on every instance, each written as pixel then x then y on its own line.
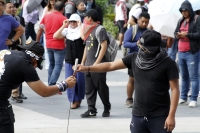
pixel 121 19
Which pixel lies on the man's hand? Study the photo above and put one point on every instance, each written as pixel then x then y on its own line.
pixel 81 68
pixel 181 35
pixel 71 81
pixel 9 42
pixel 169 123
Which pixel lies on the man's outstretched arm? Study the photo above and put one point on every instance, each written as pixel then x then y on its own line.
pixel 102 67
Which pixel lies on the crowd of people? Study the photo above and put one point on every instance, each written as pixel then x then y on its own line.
pixel 67 31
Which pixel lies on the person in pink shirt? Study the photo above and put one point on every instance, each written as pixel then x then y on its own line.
pixel 188 32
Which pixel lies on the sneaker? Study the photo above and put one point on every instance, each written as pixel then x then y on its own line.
pixel 21 96
pixel 120 47
pixel 88 114
pixel 17 99
pixel 106 113
pixel 192 104
pixel 129 102
pixel 181 101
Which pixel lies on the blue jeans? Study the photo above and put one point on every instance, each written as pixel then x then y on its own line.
pixel 140 124
pixel 173 50
pixel 188 65
pixel 56 58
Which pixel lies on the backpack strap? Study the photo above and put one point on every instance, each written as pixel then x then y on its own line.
pixel 134 31
pixel 98 29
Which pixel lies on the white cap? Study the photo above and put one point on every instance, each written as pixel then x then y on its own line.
pixel 140 0
pixel 75 17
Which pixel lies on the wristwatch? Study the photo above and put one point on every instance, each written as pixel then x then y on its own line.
pixel 12 40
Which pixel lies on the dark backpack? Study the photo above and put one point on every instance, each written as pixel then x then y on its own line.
pixel 112 48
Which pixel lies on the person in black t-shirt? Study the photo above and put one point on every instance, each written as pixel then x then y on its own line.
pixel 154 74
pixel 25 62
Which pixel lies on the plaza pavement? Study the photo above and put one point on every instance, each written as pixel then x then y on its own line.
pixel 50 115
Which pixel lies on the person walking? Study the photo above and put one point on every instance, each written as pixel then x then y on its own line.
pixel 121 19
pixel 95 82
pixel 56 48
pixel 188 32
pixel 74 50
pixel 154 74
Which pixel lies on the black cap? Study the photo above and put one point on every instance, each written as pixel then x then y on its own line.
pixel 34 46
pixel 151 38
pixel 93 14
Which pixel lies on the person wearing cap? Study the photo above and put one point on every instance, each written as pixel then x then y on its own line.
pixel 74 50
pixel 56 48
pixel 188 32
pixel 8 23
pixel 121 19
pixel 154 74
pixel 95 82
pixel 24 61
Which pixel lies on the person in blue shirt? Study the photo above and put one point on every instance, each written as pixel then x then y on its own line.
pixel 130 42
pixel 8 23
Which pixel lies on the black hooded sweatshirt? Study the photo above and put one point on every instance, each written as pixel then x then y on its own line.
pixel 194 27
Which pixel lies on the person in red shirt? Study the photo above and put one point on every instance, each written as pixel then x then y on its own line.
pixel 56 48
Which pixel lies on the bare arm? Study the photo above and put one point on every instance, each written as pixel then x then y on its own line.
pixel 170 121
pixel 102 67
pixel 84 57
pixel 57 34
pixel 170 42
pixel 39 34
pixel 19 31
pixel 102 52
pixel 45 91
pixel 81 30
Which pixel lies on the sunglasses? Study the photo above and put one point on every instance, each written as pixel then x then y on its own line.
pixel 72 21
pixel 143 48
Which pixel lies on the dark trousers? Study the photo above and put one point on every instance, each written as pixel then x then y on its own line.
pixel 148 124
pixel 6 120
pixel 30 31
pixel 96 82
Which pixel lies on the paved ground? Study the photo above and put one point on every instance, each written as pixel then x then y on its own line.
pixel 50 115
